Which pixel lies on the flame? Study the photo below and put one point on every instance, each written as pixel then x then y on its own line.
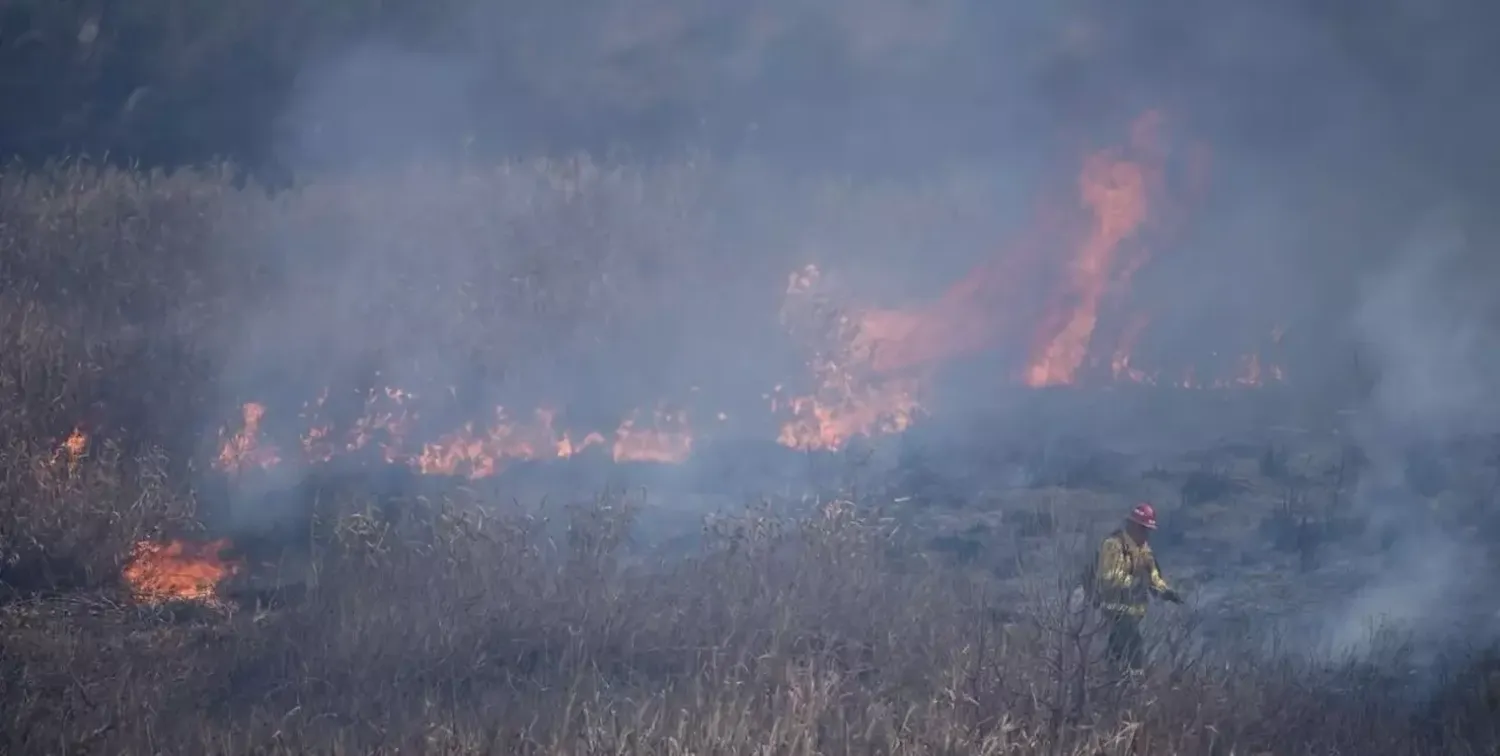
pixel 853 395
pixel 1119 364
pixel 1251 369
pixel 1121 192
pixel 480 454
pixel 474 451
pixel 70 452
pixel 959 322
pixel 668 439
pixel 71 449
pixel 974 314
pixel 989 306
pixel 244 449
pixel 384 423
pixel 868 368
pixel 76 443
pixel 849 410
pixel 566 447
pixel 177 571
pixel 1115 189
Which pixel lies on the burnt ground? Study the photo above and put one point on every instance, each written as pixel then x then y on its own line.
pixel 1269 511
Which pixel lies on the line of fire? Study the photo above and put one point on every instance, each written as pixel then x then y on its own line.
pixel 870 370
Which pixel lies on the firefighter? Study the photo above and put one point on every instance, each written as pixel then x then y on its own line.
pixel 1126 576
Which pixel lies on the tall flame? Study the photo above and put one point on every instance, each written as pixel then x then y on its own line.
pixel 1115 190
pixel 869 367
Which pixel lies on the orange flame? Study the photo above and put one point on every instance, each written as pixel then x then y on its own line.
pixel 854 410
pixel 471 451
pixel 177 571
pixel 76 443
pixel 1115 189
pixel 72 449
pixel 480 454
pixel 870 367
pixel 667 439
pixel 991 303
pixel 244 449
pixel 852 397
pixel 386 415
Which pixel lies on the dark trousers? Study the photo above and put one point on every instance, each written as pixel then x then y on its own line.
pixel 1126 648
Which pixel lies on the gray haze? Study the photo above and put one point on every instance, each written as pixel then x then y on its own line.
pixel 1350 173
pixel 1331 130
pixel 1427 321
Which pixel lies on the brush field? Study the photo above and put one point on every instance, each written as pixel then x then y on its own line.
pixel 916 607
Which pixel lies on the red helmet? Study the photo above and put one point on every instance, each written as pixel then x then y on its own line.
pixel 1143 515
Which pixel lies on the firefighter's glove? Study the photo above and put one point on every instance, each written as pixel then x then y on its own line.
pixel 1172 596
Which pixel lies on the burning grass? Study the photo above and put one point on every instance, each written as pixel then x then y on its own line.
pixel 468 314
pixel 144 317
pixel 178 570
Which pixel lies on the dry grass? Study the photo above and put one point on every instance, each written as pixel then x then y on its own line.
pixel 455 622
pixel 465 629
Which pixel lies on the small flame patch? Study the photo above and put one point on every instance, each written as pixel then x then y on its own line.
pixel 178 571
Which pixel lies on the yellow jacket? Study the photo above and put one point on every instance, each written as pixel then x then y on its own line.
pixel 1126 576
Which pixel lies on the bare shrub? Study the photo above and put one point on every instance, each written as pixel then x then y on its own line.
pixel 1209 482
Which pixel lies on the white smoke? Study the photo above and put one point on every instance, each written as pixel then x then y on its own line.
pixel 1425 321
pixel 1429 328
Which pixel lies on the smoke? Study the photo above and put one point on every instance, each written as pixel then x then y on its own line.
pixel 1427 326
pixel 1430 327
pixel 682 291
pixel 899 145
pixel 374 104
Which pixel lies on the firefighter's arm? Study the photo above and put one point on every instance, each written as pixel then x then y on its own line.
pixel 1113 572
pixel 1160 587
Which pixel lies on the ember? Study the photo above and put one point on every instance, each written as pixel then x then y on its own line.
pixel 245 449
pixel 76 443
pixel 72 449
pixel 177 571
